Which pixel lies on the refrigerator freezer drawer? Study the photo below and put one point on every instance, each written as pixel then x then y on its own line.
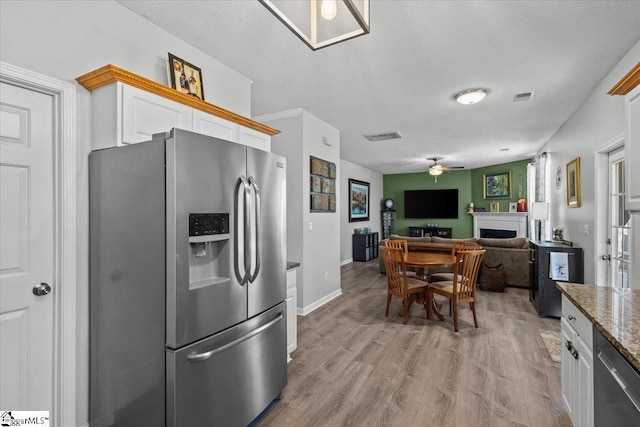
pixel 229 378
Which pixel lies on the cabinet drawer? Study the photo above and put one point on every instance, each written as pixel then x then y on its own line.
pixel 575 318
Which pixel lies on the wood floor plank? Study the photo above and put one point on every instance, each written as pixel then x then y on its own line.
pixel 354 367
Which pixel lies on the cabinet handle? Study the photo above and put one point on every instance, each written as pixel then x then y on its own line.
pixel 197 357
pixel 572 350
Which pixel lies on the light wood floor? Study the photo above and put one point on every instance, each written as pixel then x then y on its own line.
pixel 354 367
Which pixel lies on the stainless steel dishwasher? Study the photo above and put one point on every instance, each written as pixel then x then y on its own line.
pixel 616 386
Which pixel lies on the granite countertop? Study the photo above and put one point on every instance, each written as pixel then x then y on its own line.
pixel 292 264
pixel 614 312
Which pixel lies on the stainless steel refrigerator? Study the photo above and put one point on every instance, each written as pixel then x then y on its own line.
pixel 187 282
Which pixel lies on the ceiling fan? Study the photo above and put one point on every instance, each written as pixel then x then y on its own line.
pixel 436 169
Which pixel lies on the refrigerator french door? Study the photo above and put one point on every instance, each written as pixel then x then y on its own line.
pixel 187 281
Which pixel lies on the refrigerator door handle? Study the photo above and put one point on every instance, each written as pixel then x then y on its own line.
pixel 198 357
pixel 241 252
pixel 256 239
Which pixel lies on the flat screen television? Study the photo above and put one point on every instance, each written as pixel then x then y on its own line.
pixel 431 203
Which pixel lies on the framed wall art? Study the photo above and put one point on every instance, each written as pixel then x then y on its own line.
pixel 358 200
pixel 322 185
pixel 496 185
pixel 573 183
pixel 185 77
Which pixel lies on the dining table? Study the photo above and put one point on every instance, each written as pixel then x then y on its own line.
pixel 422 261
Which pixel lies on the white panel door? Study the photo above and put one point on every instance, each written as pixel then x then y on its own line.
pixel 26 249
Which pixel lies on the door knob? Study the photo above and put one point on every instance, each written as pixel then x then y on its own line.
pixel 41 289
pixel 606 257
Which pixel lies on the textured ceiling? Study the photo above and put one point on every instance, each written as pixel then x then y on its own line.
pixel 403 75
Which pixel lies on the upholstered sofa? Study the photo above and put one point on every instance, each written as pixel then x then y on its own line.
pixel 512 253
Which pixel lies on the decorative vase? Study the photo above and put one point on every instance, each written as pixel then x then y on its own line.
pixel 522 205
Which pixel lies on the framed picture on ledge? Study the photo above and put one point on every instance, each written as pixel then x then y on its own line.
pixel 358 200
pixel 185 77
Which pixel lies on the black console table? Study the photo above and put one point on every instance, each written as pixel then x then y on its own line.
pixel 430 231
pixel 543 293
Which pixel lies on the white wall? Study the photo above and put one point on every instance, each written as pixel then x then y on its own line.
pixel 353 171
pixel 598 122
pixel 322 244
pixel 64 39
pixel 312 238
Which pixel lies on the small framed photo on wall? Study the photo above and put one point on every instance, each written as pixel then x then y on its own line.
pixel 573 183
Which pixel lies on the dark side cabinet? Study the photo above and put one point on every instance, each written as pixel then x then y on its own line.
pixel 388 223
pixel 543 292
pixel 365 246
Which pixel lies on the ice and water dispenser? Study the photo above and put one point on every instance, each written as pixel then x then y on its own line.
pixel 209 262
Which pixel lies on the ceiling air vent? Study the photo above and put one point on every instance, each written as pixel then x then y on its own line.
pixel 383 136
pixel 524 96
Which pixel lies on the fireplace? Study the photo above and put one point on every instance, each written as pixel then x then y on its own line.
pixel 499 225
pixel 489 233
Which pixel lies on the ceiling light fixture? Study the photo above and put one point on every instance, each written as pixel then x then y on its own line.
pixel 471 96
pixel 321 23
pixel 328 9
pixel 435 171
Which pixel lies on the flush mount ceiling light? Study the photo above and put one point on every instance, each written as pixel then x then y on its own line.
pixel 471 96
pixel 321 23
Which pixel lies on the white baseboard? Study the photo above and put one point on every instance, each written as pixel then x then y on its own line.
pixel 346 261
pixel 319 303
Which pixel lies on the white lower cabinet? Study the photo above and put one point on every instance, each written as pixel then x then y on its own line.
pixel 577 365
pixel 292 319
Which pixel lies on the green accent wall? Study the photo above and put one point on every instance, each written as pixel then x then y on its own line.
pixel 470 189
pixel 518 176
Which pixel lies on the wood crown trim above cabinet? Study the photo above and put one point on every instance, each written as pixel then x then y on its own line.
pixel 111 74
pixel 627 83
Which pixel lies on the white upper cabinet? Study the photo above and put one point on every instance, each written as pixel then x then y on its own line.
pixel 211 125
pixel 127 108
pixel 255 139
pixel 632 147
pixel 144 114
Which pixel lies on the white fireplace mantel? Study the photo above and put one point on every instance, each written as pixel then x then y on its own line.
pixel 512 221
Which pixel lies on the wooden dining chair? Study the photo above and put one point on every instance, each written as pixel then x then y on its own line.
pixel 400 244
pixel 399 284
pixel 463 288
pixel 457 246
